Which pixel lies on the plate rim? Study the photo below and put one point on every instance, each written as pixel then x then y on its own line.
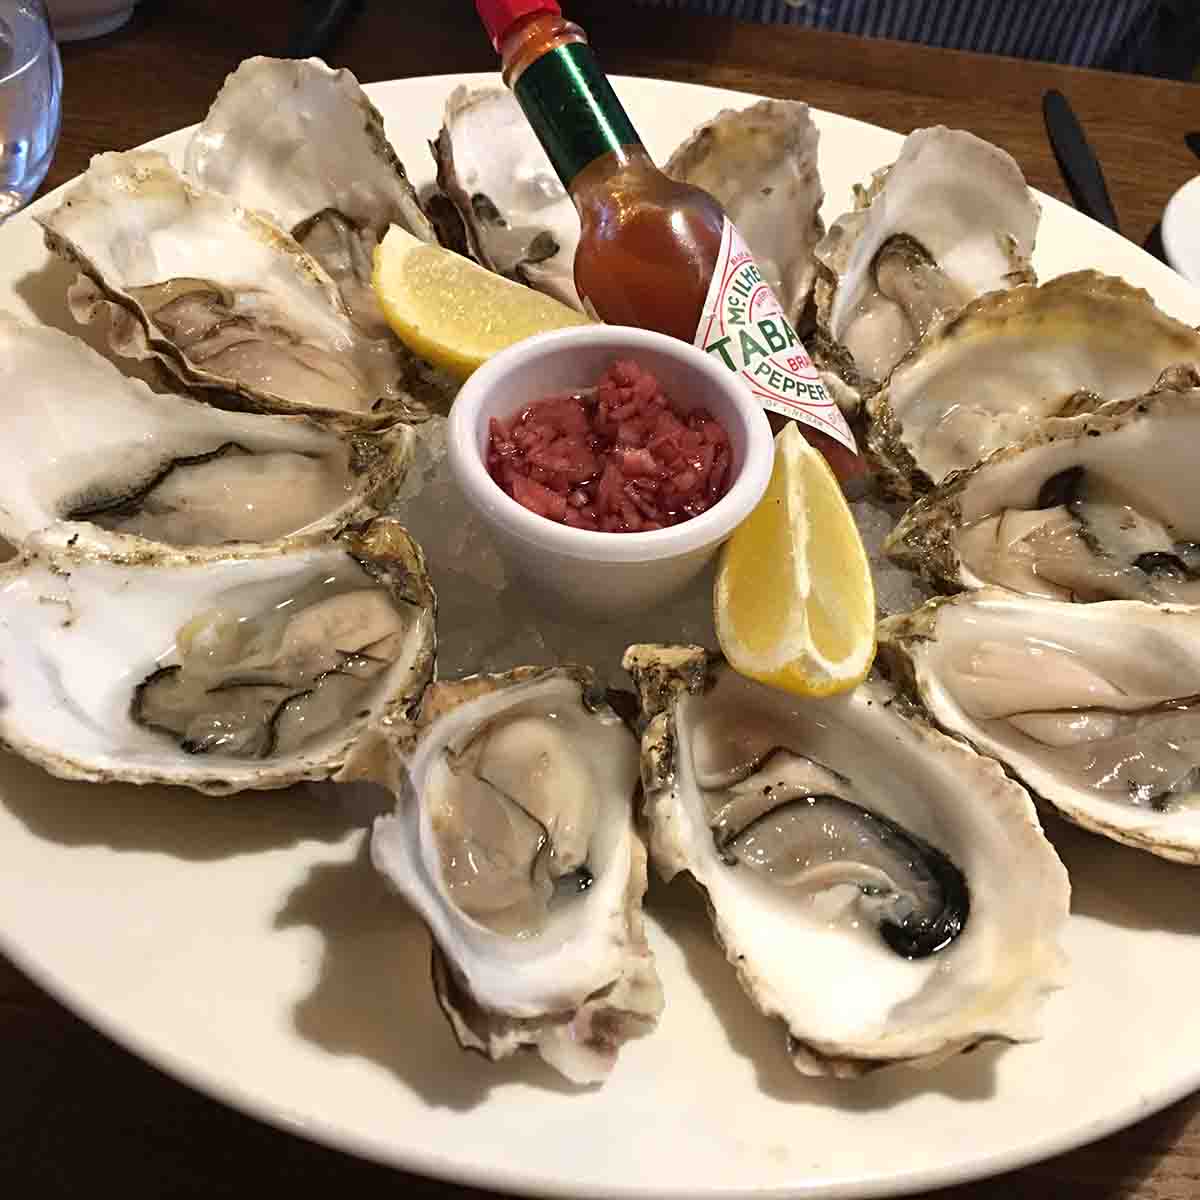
pixel 516 1180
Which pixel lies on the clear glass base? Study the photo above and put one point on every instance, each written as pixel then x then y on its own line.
pixel 30 93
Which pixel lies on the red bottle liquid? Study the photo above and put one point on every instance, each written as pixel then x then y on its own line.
pixel 653 252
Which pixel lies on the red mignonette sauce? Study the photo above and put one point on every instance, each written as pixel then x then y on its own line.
pixel 619 458
pixel 653 252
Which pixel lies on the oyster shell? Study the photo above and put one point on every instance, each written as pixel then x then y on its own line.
pixel 949 220
pixel 513 838
pixel 760 163
pixel 881 889
pixel 224 299
pixel 1095 707
pixel 1100 506
pixel 518 217
pixel 166 467
pixel 215 670
pixel 1010 360
pixel 301 143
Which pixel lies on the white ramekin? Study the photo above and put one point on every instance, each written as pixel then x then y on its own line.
pixel 606 574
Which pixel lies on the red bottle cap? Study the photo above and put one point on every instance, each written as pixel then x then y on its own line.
pixel 499 16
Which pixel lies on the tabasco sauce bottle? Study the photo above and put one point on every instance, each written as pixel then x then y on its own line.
pixel 653 252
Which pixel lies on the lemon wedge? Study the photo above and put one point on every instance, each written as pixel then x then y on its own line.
pixel 452 311
pixel 794 602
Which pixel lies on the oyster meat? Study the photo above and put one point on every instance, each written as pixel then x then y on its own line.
pixel 881 889
pixel 87 444
pixel 950 219
pixel 1010 360
pixel 220 671
pixel 1100 506
pixel 518 217
pixel 1095 707
pixel 224 299
pixel 760 163
pixel 513 837
pixel 301 143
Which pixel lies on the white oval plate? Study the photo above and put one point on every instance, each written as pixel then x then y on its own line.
pixel 1181 230
pixel 245 946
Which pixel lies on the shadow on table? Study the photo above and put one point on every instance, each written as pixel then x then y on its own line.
pixel 84 1110
pixel 45 292
pixel 1117 1168
pixel 680 910
pixel 373 997
pixel 1123 886
pixel 179 822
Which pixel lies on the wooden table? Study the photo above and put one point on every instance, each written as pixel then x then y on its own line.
pixel 76 1113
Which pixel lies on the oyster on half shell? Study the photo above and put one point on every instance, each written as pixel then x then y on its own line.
pixel 1100 506
pixel 950 219
pixel 884 891
pixel 760 163
pixel 217 670
pixel 1008 361
pixel 519 220
pixel 513 837
pixel 1095 707
pixel 227 302
pixel 84 443
pixel 303 144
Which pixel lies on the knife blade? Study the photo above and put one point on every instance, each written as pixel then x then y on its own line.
pixel 1077 161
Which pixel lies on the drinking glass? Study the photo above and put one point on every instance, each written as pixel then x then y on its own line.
pixel 30 101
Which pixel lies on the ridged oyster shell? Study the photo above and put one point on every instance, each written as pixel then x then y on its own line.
pixel 760 163
pixel 1100 506
pixel 887 813
pixel 950 219
pixel 226 301
pixel 88 444
pixel 513 837
pixel 1095 707
pixel 519 220
pixel 303 144
pixel 1008 361
pixel 216 670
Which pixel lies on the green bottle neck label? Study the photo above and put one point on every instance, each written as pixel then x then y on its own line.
pixel 573 109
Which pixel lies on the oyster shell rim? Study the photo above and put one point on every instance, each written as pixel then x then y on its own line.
pixel 904 630
pixel 834 251
pixel 580 1037
pixel 665 673
pixel 922 540
pixel 381 547
pixel 899 474
pixel 377 459
pixel 132 332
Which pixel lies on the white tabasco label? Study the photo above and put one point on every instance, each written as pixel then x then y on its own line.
pixel 744 325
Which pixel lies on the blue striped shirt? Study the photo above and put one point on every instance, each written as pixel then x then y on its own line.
pixel 1084 33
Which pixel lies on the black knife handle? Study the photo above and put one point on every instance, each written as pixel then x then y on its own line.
pixel 1076 161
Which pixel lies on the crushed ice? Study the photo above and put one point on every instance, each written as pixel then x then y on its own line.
pixel 487 620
